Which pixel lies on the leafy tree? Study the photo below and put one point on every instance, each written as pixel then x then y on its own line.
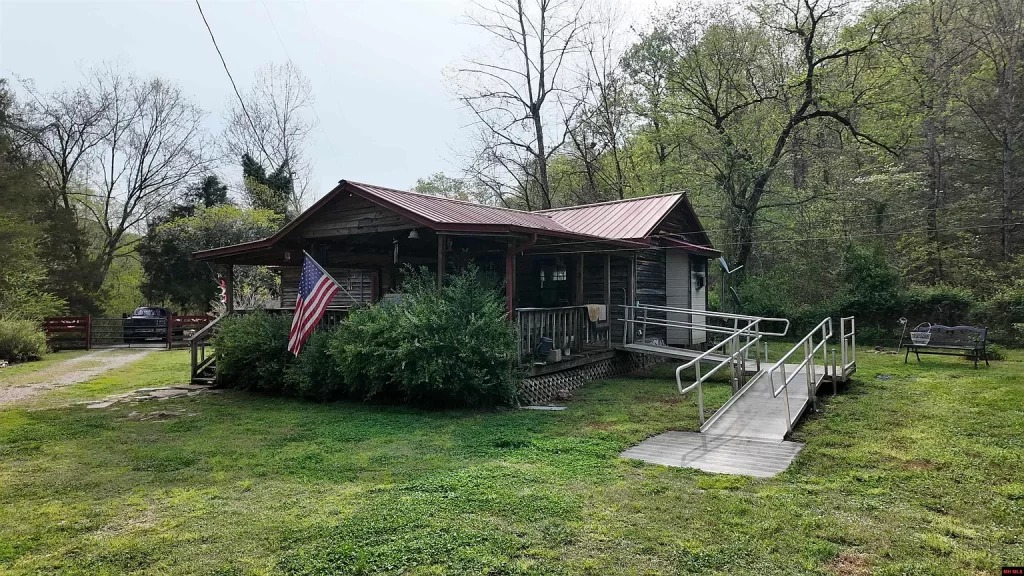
pixel 267 191
pixel 207 192
pixel 440 184
pixel 172 276
pixel 23 209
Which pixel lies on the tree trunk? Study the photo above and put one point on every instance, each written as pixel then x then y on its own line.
pixel 542 161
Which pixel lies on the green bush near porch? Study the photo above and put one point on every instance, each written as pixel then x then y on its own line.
pixel 436 347
pixel 252 352
pixel 447 347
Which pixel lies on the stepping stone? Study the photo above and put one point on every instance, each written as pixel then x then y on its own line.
pixel 102 404
pixel 167 393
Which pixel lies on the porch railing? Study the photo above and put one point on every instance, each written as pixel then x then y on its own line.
pixel 203 355
pixel 568 327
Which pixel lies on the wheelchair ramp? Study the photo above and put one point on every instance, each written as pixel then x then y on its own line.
pixel 718 454
pixel 755 413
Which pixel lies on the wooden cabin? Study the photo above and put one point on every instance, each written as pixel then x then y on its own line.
pixel 566 272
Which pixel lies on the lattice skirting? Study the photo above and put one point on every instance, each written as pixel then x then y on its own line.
pixel 541 389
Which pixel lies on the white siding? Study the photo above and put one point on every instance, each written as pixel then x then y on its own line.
pixel 677 293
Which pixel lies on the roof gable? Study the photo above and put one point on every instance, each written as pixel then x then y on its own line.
pixel 635 218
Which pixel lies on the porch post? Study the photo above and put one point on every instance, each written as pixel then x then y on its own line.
pixel 608 294
pixel 579 280
pixel 510 281
pixel 631 286
pixel 440 258
pixel 229 289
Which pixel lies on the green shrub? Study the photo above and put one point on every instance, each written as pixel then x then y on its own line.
pixel 447 347
pixel 940 304
pixel 252 351
pixel 21 340
pixel 313 373
pixel 1003 314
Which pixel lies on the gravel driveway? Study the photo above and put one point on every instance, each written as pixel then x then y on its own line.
pixel 71 371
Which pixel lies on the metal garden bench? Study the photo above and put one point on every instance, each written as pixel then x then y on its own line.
pixel 967 341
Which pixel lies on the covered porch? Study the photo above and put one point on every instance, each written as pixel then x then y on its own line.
pixel 566 274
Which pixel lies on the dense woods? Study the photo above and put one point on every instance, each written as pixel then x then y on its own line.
pixel 852 157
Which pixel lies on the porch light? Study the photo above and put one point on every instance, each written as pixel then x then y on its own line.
pixel 414 234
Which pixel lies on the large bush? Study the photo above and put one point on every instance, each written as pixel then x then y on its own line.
pixel 1003 314
pixel 435 347
pixel 313 373
pixel 21 340
pixel 940 304
pixel 252 351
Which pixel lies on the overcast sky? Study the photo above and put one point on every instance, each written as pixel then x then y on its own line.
pixel 385 113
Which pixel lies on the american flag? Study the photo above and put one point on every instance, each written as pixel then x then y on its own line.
pixel 316 289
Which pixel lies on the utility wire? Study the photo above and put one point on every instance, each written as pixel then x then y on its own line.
pixel 782 240
pixel 280 40
pixel 241 101
pixel 884 215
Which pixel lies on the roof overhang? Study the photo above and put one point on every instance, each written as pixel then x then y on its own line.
pixel 250 252
pixel 690 247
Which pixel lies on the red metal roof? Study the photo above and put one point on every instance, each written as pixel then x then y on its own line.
pixel 629 219
pixel 622 223
pixel 437 210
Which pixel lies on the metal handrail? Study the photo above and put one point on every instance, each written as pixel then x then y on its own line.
pixel 810 350
pixel 737 359
pixel 849 351
pixel 826 330
pixel 705 313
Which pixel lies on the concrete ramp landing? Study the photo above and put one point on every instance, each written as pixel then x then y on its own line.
pixel 720 454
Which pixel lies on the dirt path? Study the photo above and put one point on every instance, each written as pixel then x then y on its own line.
pixel 71 371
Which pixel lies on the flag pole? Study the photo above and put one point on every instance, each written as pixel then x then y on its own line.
pixel 328 274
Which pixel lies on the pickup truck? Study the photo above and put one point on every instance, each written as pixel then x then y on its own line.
pixel 147 322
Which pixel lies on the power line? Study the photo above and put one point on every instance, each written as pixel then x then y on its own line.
pixel 792 240
pixel 238 94
pixel 856 217
pixel 280 40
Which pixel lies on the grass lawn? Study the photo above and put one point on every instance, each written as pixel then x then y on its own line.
pixel 913 470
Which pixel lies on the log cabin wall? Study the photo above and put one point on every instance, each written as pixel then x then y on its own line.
pixel 650 284
pixel 593 287
pixel 359 283
pixel 353 215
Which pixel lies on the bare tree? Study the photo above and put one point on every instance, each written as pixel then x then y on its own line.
pixel 118 150
pixel 519 96
pixel 64 128
pixel 274 124
pixel 154 144
pixel 603 122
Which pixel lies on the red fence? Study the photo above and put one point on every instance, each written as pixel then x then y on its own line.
pixel 78 332
pixel 68 332
pixel 183 327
